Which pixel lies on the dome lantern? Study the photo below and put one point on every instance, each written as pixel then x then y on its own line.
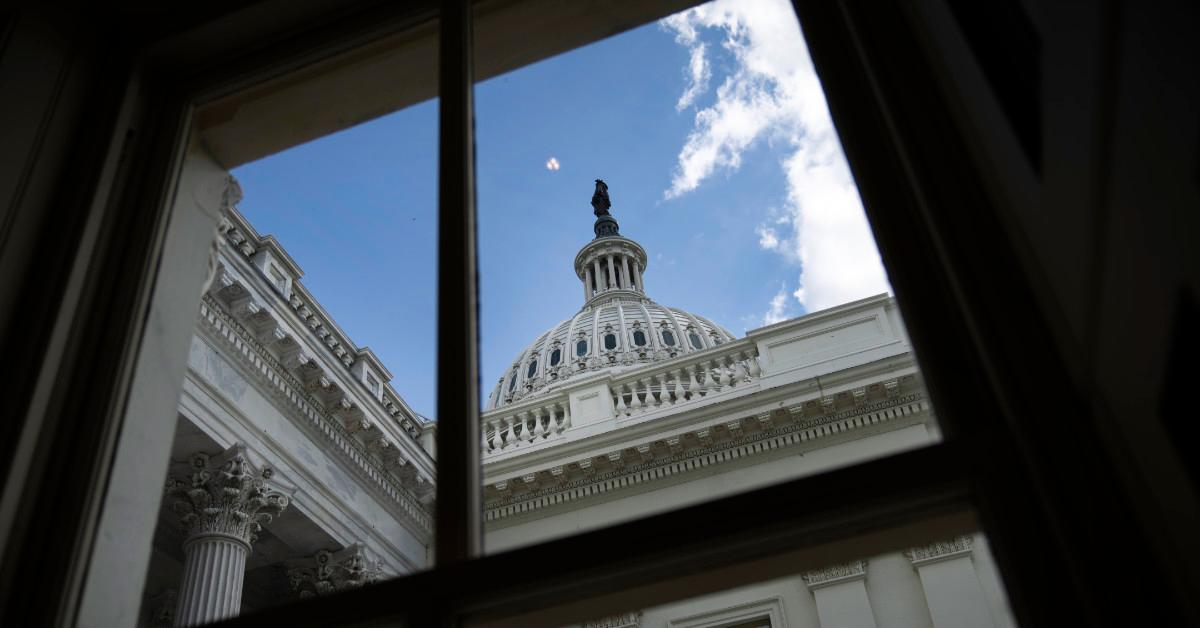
pixel 609 266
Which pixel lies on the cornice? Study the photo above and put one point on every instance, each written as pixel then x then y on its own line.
pixel 735 439
pixel 243 238
pixel 286 387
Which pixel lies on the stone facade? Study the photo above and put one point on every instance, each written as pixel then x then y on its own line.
pixel 298 470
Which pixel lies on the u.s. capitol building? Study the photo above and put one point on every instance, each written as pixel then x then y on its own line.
pixel 298 470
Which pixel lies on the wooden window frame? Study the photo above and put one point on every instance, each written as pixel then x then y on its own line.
pixel 997 468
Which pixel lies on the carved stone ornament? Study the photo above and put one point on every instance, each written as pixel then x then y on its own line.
pixel 834 574
pixel 330 572
pixel 622 620
pixel 941 550
pixel 232 195
pixel 226 496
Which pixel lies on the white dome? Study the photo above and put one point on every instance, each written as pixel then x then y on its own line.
pixel 618 328
pixel 616 335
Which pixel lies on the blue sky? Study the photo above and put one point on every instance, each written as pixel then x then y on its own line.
pixel 710 130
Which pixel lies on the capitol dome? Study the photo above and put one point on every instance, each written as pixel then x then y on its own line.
pixel 618 327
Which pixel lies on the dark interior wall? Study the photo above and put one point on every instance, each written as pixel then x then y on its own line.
pixel 1071 272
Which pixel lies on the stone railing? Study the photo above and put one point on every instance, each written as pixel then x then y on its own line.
pixel 657 386
pixel 529 422
pixel 685 379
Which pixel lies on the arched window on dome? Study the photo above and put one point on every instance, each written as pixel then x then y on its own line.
pixel 610 341
pixel 668 338
pixel 532 370
pixel 697 343
pixel 639 337
pixel 581 348
pixel 512 380
pixel 555 356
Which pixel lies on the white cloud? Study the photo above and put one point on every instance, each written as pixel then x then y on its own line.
pixel 552 164
pixel 776 310
pixel 772 93
pixel 767 238
pixel 698 75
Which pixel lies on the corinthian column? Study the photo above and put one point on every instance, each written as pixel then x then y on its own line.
pixel 223 506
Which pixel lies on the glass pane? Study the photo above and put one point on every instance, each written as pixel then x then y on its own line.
pixel 951 582
pixel 303 455
pixel 756 339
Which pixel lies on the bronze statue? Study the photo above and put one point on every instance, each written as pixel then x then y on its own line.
pixel 600 202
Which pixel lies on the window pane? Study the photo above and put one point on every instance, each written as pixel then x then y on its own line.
pixel 695 158
pixel 303 461
pixel 951 582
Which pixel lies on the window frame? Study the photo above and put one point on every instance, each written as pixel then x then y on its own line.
pixel 889 105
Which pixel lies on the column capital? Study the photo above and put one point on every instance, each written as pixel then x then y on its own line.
pixel 333 571
pixel 941 550
pixel 833 574
pixel 226 495
pixel 621 620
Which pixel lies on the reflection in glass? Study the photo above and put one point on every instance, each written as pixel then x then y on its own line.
pixel 951 582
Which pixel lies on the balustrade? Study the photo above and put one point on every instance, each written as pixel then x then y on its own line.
pixel 528 425
pixel 640 391
pixel 685 380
